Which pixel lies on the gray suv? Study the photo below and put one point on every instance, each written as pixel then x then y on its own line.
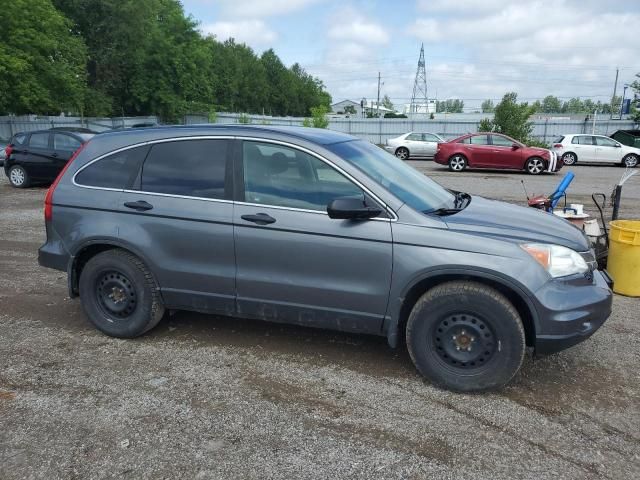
pixel 320 229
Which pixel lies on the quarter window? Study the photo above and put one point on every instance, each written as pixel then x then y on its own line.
pixel 285 177
pixel 115 171
pixel 193 168
pixel 39 140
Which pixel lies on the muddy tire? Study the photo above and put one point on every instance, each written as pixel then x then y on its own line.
pixel 465 336
pixel 119 295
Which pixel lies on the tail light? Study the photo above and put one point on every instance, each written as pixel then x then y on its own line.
pixel 48 199
pixel 557 145
pixel 7 150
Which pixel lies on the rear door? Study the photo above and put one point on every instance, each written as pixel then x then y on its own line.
pixel 480 151
pixel 38 159
pixel 295 264
pixel 63 147
pixel 179 214
pixel 585 148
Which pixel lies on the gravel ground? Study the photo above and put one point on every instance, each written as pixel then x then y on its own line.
pixel 211 397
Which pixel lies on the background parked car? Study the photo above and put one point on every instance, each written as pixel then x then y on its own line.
pixel 3 154
pixel 496 151
pixel 413 144
pixel 594 148
pixel 34 157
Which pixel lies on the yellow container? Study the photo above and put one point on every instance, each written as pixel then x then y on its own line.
pixel 623 263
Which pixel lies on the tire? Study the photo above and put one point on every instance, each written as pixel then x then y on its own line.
pixel 402 153
pixel 630 160
pixel 136 308
pixel 535 166
pixel 570 158
pixel 457 315
pixel 457 163
pixel 18 177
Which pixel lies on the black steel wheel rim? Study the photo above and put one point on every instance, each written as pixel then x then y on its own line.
pixel 464 341
pixel 116 294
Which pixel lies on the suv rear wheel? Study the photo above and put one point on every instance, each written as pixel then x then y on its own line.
pixel 18 176
pixel 465 336
pixel 119 294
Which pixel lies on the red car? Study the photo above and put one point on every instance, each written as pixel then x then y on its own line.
pixel 495 151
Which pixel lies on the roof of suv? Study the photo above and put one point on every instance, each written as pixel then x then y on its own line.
pixel 315 135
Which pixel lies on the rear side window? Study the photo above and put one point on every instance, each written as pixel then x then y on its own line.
pixel 65 142
pixel 115 171
pixel 39 140
pixel 192 168
pixel 480 140
pixel 582 140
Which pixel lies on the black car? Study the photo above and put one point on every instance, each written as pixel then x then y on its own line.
pixel 38 157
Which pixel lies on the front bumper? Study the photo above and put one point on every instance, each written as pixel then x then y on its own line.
pixel 571 311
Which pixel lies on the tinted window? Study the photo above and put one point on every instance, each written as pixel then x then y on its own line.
pixel 501 141
pixel 65 142
pixel 605 142
pixel 558 139
pixel 582 140
pixel 194 168
pixel 285 177
pixel 19 138
pixel 39 140
pixel 115 171
pixel 414 136
pixel 480 140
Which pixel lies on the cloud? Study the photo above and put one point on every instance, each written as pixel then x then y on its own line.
pixel 259 8
pixel 251 32
pixel 359 30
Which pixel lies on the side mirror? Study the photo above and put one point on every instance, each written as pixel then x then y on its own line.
pixel 351 208
pixel 618 145
pixel 515 146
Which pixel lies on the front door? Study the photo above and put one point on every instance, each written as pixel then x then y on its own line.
pixel 294 263
pixel 607 150
pixel 504 155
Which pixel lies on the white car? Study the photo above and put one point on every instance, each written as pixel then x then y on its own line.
pixel 413 144
pixel 594 148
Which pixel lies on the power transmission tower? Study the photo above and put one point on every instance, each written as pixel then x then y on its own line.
pixel 419 96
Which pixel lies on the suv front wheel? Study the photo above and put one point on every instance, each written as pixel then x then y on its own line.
pixel 119 294
pixel 465 336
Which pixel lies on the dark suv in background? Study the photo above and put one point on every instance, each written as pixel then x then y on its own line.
pixel 320 229
pixel 39 156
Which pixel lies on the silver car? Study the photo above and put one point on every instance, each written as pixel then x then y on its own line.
pixel 414 144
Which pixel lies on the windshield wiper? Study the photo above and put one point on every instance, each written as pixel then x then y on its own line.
pixel 443 211
pixel 460 202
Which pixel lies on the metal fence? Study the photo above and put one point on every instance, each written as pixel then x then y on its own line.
pixel 13 124
pixel 379 130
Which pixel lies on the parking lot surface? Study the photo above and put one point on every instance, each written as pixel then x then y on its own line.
pixel 212 397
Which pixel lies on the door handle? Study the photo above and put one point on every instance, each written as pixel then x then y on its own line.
pixel 259 218
pixel 140 205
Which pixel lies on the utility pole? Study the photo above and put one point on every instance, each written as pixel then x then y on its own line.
pixel 615 88
pixel 420 86
pixel 378 104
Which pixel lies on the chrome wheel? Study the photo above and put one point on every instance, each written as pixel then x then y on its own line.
pixel 17 176
pixel 569 158
pixel 630 161
pixel 457 163
pixel 402 153
pixel 535 166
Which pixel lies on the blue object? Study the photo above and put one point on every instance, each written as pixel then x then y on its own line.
pixel 560 191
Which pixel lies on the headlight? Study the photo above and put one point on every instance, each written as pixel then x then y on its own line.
pixel 557 260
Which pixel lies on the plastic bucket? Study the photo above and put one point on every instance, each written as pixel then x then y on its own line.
pixel 623 263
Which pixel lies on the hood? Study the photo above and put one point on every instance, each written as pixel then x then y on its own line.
pixel 537 151
pixel 518 224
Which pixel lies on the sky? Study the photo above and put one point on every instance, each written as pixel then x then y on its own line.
pixel 474 49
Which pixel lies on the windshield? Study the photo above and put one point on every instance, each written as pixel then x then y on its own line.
pixel 405 182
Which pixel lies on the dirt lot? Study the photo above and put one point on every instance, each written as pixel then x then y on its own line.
pixel 210 397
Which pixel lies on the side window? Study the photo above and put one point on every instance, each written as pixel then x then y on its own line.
pixel 414 136
pixel 65 142
pixel 284 177
pixel 115 171
pixel 19 138
pixel 193 168
pixel 605 142
pixel 465 140
pixel 430 137
pixel 480 140
pixel 501 141
pixel 39 140
pixel 582 140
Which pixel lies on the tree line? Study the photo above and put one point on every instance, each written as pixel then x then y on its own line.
pixel 137 57
pixel 552 104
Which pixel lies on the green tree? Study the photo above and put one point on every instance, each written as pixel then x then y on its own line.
pixel 387 103
pixel 350 109
pixel 42 62
pixel 318 117
pixel 635 111
pixel 487 106
pixel 511 118
pixel 551 104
